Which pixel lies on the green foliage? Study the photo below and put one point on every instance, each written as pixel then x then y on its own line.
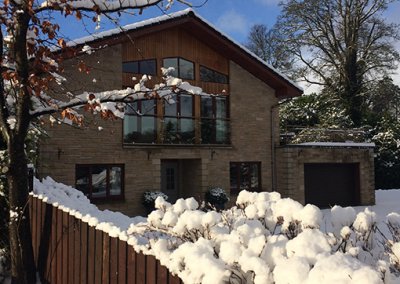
pixel 386 136
pixel 322 118
pixel 323 110
pixel 216 197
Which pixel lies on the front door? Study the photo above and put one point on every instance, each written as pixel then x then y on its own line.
pixel 170 179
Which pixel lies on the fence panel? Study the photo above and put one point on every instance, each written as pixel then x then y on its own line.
pixel 64 271
pixel 106 259
pixel 91 254
pixel 114 260
pixel 53 246
pixel 98 260
pixel 76 232
pixel 67 250
pixel 122 262
pixel 84 245
pixel 131 266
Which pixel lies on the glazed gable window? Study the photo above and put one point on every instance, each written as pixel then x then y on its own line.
pixel 209 75
pixel 183 68
pixel 100 181
pixel 148 67
pixel 245 176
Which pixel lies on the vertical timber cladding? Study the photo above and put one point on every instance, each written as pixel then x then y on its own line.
pixel 175 42
pixel 327 185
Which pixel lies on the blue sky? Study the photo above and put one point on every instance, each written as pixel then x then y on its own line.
pixel 234 17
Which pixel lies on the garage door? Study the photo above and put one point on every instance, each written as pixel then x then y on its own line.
pixel 327 185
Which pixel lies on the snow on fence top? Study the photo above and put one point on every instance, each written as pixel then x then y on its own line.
pixel 263 239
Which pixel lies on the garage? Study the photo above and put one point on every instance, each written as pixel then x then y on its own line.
pixel 329 184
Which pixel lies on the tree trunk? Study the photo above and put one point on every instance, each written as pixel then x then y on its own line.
pixel 352 81
pixel 23 269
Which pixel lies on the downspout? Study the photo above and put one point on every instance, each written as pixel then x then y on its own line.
pixel 273 148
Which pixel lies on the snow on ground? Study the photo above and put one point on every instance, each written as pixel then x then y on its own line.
pixel 263 239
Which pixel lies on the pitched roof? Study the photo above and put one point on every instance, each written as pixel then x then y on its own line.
pixel 189 19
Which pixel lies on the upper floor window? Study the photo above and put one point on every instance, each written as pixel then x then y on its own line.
pixel 140 122
pixel 147 67
pixel 214 120
pixel 209 75
pixel 245 176
pixel 179 122
pixel 184 119
pixel 183 68
pixel 100 181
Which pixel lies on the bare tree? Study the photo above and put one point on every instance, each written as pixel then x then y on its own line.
pixel 268 44
pixel 29 66
pixel 341 44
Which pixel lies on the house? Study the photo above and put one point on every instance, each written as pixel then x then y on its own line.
pixel 185 148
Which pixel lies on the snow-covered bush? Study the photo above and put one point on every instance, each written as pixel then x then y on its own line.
pixel 149 198
pixel 263 239
pixel 216 198
pixel 263 236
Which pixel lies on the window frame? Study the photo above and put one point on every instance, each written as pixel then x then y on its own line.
pixel 235 191
pixel 179 67
pixel 108 167
pixel 139 120
pixel 139 66
pixel 213 120
pixel 178 116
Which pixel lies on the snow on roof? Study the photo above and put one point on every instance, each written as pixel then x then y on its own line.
pixel 337 144
pixel 163 18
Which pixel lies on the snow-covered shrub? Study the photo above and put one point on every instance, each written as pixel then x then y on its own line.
pixel 149 198
pixel 216 198
pixel 263 239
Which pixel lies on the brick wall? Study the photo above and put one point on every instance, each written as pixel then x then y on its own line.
pixel 290 168
pixel 250 109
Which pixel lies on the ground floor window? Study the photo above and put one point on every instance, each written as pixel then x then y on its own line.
pixel 100 181
pixel 245 176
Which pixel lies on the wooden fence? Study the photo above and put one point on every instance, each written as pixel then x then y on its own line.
pixel 68 250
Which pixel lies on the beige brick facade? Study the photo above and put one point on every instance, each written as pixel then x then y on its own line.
pixel 200 166
pixel 253 92
pixel 291 161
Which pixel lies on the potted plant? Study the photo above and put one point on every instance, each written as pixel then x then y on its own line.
pixel 149 198
pixel 216 198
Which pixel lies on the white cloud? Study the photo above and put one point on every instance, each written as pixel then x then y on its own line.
pixel 268 2
pixel 232 21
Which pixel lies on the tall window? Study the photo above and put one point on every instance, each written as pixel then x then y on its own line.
pixel 183 68
pixel 140 122
pixel 245 176
pixel 214 120
pixel 209 75
pixel 178 122
pixel 100 181
pixel 147 67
